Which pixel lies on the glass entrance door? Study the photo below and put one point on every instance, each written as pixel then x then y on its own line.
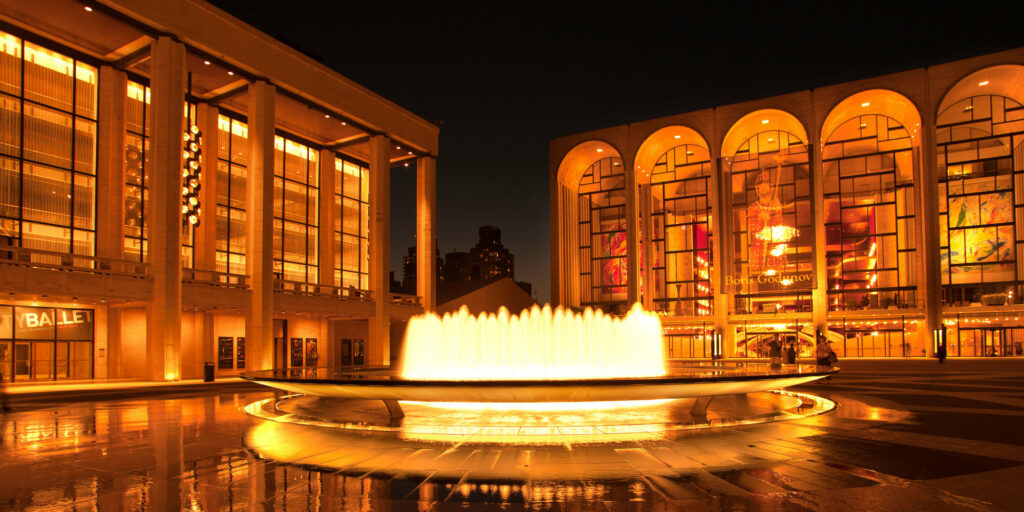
pixel 5 361
pixel 61 360
pixel 22 361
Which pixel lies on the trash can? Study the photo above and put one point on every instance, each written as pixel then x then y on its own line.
pixel 208 372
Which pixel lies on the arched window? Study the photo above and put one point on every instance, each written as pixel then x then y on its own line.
pixel 769 196
pixel 601 214
pixel 681 227
pixel 869 214
pixel 980 163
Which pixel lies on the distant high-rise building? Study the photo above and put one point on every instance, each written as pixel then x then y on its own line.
pixel 489 259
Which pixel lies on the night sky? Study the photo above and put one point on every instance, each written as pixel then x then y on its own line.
pixel 505 79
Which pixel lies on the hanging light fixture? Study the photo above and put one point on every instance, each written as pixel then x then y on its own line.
pixel 191 176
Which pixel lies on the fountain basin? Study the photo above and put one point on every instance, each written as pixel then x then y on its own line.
pixel 697 380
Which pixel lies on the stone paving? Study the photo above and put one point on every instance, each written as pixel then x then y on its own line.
pixel 907 435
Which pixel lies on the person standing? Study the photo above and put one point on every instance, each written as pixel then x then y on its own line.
pixel 791 353
pixel 823 353
pixel 775 352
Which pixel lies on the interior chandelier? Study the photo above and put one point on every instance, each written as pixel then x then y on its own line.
pixel 777 234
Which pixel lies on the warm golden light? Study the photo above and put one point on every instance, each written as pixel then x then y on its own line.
pixel 778 233
pixel 537 344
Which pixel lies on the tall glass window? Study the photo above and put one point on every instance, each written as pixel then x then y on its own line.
pixel 136 163
pixel 869 215
pixel 681 224
pixel 981 165
pixel 136 182
pixel 231 181
pixel 352 225
pixel 772 224
pixel 47 150
pixel 296 196
pixel 602 235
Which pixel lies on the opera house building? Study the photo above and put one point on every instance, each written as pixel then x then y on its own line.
pixel 178 188
pixel 885 214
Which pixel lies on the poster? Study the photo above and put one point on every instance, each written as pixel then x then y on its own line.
pixel 225 352
pixel 74 324
pixel 296 352
pixel 311 354
pixel 240 353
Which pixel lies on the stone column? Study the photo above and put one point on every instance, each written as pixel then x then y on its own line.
pixel 929 286
pixel 328 214
pixel 110 148
pixel 819 295
pixel 426 234
pixel 206 233
pixel 720 295
pixel 378 352
pixel 259 194
pixel 166 128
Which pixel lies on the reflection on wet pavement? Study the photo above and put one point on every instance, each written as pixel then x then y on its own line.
pixel 191 453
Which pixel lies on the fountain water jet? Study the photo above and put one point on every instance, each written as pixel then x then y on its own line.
pixel 537 344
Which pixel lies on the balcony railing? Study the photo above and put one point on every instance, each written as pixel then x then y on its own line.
pixel 321 290
pixel 404 299
pixel 35 258
pixel 214 278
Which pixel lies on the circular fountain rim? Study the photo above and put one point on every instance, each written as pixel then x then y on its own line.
pixel 379 384
pixel 382 377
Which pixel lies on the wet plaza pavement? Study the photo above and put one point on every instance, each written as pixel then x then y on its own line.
pixel 906 435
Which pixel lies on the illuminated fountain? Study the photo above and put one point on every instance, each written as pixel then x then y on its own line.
pixel 539 344
pixel 536 377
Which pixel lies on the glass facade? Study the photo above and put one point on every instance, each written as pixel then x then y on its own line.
pixel 47 150
pixel 981 200
pixel 296 210
pixel 870 234
pixel 769 194
pixel 351 224
pixel 136 166
pixel 231 195
pixel 602 235
pixel 136 182
pixel 681 226
pixel 43 343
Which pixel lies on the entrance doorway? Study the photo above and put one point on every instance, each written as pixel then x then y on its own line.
pixel 352 352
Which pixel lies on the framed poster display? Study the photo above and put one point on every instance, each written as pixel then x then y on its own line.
pixel 296 353
pixel 225 352
pixel 240 353
pixel 311 353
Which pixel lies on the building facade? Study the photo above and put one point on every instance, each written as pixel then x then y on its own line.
pixel 880 213
pixel 178 188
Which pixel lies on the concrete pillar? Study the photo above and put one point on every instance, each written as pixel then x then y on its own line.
pixel 328 213
pixel 720 295
pixel 378 352
pixel 259 261
pixel 110 177
pixel 166 127
pixel 929 287
pixel 206 233
pixel 426 234
pixel 819 295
